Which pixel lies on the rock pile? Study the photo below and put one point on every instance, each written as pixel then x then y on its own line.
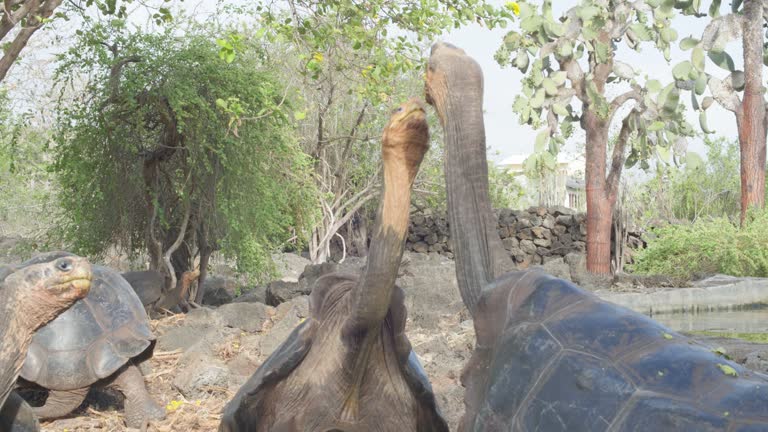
pixel 531 237
pixel 528 235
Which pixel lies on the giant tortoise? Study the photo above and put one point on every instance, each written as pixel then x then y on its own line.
pixel 30 297
pixel 349 366
pixel 550 356
pixel 96 342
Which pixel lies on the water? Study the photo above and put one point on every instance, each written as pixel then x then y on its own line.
pixel 737 321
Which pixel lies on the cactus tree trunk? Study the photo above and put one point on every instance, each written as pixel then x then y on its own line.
pixel 751 115
pixel 600 199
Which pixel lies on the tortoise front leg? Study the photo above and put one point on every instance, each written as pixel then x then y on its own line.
pixel 60 403
pixel 139 405
pixel 17 416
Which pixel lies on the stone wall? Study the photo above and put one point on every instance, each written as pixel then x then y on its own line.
pixel 531 236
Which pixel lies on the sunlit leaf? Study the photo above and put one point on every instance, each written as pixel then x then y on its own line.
pixel 541 141
pixel 688 43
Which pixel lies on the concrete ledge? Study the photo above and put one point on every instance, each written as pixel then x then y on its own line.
pixel 716 293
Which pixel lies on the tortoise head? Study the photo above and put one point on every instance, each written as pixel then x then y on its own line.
pixel 406 135
pixel 46 289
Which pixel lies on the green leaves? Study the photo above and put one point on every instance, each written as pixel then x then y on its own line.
pixel 588 12
pixel 603 52
pixel 642 32
pixel 522 60
pixel 656 122
pixel 623 70
pixel 653 85
pixel 697 58
pixel 688 43
pixel 560 110
pixel 714 8
pixel 550 88
pixel 224 132
pixel 532 24
pixel 655 126
pixel 693 160
pixel 229 46
pixel 538 98
pixel 597 100
pixel 541 141
pixel 682 70
pixel 668 34
pixel 722 59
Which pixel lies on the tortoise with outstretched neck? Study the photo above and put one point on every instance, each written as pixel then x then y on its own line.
pixel 550 356
pixel 349 366
pixel 96 342
pixel 30 297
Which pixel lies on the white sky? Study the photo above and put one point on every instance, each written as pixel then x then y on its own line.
pixel 504 134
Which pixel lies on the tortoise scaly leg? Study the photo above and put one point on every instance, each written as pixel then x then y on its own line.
pixel 139 405
pixel 17 416
pixel 60 403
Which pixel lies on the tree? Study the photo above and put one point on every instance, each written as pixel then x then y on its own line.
pixel 29 16
pixel 695 190
pixel 175 151
pixel 560 78
pixel 22 18
pixel 351 62
pixel 26 190
pixel 750 110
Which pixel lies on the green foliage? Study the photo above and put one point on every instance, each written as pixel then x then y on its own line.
pixel 721 30
pixel 710 189
pixel 314 29
pixel 504 188
pixel 429 188
pixel 348 64
pixel 570 65
pixel 26 189
pixel 177 129
pixel 708 246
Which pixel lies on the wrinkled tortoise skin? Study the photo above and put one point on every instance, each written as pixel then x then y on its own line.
pixel 91 340
pixel 247 406
pixel 557 358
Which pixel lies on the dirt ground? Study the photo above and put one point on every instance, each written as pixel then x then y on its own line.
pixel 442 355
pixel 202 358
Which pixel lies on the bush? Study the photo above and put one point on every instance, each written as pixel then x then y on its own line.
pixel 708 246
pixel 696 190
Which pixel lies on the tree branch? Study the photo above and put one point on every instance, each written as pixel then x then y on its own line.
pixel 617 159
pixel 114 76
pixel 10 19
pixel 177 243
pixel 621 100
pixel 33 24
pixel 575 75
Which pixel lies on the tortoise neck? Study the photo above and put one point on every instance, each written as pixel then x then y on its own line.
pixel 479 254
pixel 16 337
pixel 374 292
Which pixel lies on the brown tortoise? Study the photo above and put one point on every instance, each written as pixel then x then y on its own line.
pixel 349 367
pixel 95 342
pixel 30 297
pixel 550 356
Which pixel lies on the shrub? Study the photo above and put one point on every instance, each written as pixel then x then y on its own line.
pixel 708 246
